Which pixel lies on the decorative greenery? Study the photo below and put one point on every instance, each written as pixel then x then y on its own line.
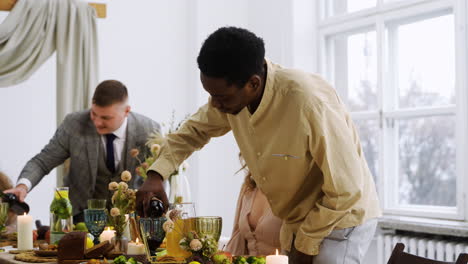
pixel 155 143
pixel 123 202
pixel 61 208
pixel 202 247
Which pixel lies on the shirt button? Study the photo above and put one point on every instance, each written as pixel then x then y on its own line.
pixel 264 179
pixel 258 153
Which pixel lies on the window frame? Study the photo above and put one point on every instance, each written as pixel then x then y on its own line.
pixel 379 18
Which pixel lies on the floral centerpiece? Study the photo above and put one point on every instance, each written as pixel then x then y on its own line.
pixel 123 202
pixel 180 191
pixel 201 247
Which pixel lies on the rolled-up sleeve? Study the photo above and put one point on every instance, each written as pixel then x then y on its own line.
pixel 194 133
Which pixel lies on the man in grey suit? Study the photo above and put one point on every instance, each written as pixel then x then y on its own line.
pixel 87 138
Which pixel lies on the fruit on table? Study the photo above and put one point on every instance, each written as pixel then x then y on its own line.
pixel 81 226
pixel 89 243
pixel 222 257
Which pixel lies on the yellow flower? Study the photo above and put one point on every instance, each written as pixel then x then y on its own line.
pixel 126 176
pixel 113 186
pixel 115 211
pixel 134 152
pixel 124 185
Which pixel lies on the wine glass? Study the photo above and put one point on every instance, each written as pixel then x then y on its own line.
pixel 152 233
pixel 209 226
pixel 97 203
pixel 95 220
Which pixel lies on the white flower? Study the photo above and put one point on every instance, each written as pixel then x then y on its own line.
pixel 185 166
pixel 168 226
pixel 183 244
pixel 115 211
pixel 126 176
pixel 195 244
pixel 113 186
pixel 124 185
pixel 155 148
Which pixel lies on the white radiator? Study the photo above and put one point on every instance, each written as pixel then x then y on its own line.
pixel 437 249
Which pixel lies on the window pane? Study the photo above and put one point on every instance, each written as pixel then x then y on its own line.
pixel 369 135
pixel 339 7
pixel 427 161
pixel 426 62
pixel 355 70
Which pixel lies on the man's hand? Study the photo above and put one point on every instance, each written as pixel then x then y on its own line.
pixel 152 187
pixel 21 191
pixel 297 257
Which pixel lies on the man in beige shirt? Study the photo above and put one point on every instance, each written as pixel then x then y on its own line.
pixel 297 139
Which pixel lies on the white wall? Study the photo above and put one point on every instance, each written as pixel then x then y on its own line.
pixel 27 122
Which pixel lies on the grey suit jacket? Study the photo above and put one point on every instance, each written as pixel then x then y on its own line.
pixel 77 139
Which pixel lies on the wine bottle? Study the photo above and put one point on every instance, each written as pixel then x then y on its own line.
pixel 15 205
pixel 156 208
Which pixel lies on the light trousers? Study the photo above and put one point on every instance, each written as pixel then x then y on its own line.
pixel 344 246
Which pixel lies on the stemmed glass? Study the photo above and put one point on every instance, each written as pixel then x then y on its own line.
pixel 152 232
pixel 95 220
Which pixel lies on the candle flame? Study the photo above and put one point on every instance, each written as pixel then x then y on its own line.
pixel 24 213
pixel 276 252
pixel 137 241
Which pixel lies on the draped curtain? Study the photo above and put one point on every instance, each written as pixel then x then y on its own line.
pixel 34 29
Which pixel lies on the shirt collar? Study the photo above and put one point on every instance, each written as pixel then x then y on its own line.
pixel 122 130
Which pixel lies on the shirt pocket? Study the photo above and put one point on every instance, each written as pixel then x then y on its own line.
pixel 285 156
pixel 340 234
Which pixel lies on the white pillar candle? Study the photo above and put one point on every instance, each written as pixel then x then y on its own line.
pixel 25 232
pixel 277 259
pixel 107 234
pixel 135 248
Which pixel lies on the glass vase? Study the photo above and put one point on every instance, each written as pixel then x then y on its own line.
pixel 61 218
pixel 180 188
pixel 120 244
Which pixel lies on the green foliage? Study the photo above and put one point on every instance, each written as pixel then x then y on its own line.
pixel 61 207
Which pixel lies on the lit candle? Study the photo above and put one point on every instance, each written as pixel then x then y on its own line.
pixel 25 232
pixel 277 259
pixel 135 248
pixel 107 234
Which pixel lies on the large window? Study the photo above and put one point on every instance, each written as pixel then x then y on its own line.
pixel 400 67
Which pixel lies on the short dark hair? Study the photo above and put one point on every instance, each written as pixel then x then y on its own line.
pixel 110 92
pixel 231 53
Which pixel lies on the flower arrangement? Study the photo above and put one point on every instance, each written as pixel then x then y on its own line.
pixel 201 247
pixel 123 202
pixel 154 144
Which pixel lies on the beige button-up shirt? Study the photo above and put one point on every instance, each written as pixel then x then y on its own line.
pixel 303 151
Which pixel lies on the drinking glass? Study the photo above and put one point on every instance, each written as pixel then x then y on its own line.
pixel 152 233
pixel 3 215
pixel 95 220
pixel 209 226
pixel 97 203
pixel 186 211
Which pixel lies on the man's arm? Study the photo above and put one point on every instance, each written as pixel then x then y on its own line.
pixel 335 148
pixel 208 122
pixel 52 155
